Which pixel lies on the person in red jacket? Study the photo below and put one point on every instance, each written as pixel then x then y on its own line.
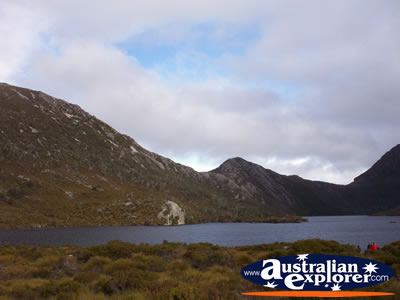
pixel 374 246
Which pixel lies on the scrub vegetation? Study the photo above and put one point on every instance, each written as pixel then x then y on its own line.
pixel 119 270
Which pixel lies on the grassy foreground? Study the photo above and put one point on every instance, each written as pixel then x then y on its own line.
pixel 121 270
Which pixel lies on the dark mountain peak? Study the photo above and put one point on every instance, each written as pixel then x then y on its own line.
pixel 386 167
pixel 235 161
pixel 395 150
pixel 238 165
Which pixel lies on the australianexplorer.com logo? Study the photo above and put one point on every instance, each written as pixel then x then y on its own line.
pixel 317 274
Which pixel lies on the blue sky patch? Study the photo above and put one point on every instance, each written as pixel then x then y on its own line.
pixel 154 47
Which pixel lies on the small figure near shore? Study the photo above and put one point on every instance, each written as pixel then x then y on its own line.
pixel 358 249
pixel 372 246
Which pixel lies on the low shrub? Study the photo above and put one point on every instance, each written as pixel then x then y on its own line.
pixel 113 249
pixel 97 263
pixel 168 271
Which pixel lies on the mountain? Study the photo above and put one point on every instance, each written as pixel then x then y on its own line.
pixel 378 189
pixel 61 166
pixel 286 194
pixel 387 168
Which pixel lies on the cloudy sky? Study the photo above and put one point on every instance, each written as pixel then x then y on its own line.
pixel 301 87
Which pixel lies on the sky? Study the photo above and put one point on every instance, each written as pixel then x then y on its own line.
pixel 300 87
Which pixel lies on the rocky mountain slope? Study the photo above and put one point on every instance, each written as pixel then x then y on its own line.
pixel 378 189
pixel 288 194
pixel 60 166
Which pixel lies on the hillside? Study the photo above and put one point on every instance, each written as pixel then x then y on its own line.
pixel 289 194
pixel 378 189
pixel 61 166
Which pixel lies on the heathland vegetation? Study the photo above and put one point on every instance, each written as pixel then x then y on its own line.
pixel 120 270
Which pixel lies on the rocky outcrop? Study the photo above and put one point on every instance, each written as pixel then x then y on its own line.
pixel 172 214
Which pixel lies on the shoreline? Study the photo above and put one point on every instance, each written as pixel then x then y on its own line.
pixel 272 220
pixel 269 220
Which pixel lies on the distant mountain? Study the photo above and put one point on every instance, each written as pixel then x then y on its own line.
pixel 378 189
pixel 285 194
pixel 60 166
pixel 387 168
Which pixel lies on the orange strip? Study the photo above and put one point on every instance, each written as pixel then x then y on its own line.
pixel 317 294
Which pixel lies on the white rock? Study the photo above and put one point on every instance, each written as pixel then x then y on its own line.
pixel 112 143
pixel 69 116
pixel 133 150
pixel 21 95
pixel 170 211
pixel 34 130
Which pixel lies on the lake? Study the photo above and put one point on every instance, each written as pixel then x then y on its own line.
pixel 357 230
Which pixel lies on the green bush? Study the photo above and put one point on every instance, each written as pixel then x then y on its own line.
pixel 15 272
pixel 204 255
pixel 168 271
pixel 87 277
pixel 243 259
pixel 125 275
pixel 106 285
pixel 46 267
pixel 183 292
pixel 178 265
pixel 67 287
pixel 113 249
pixel 97 263
pixel 318 246
pixel 27 289
pixel 149 262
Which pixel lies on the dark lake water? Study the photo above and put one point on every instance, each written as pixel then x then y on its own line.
pixel 357 230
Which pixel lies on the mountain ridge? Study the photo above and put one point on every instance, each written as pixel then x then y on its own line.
pixel 387 166
pixel 61 166
pixel 54 150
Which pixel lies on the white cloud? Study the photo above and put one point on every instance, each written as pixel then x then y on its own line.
pixel 20 31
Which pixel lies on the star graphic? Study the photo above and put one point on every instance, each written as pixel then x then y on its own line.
pixel 370 268
pixel 336 287
pixel 302 257
pixel 271 285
